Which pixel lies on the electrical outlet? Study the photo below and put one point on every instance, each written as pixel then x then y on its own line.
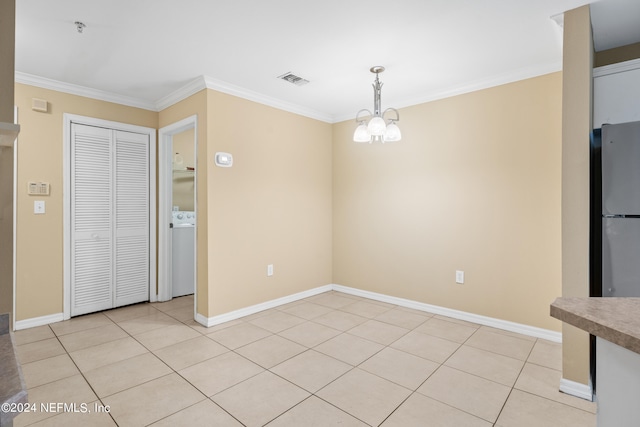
pixel 270 270
pixel 459 276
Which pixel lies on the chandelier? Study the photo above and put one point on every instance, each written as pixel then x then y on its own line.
pixel 378 129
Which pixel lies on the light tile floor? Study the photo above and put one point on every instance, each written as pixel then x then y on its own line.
pixel 332 359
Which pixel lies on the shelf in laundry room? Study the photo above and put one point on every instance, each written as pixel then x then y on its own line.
pixel 8 134
pixel 186 172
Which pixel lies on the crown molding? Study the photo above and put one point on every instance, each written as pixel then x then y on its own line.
pixel 45 83
pixel 206 82
pixel 191 88
pixel 510 77
pixel 619 67
pixel 250 95
pixel 558 19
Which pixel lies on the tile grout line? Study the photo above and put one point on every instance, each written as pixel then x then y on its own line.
pixel 504 404
pixel 307 348
pixel 431 374
pixel 359 364
pixel 82 373
pixel 173 371
pixel 189 382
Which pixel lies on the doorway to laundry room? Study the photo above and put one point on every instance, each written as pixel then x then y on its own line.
pixel 183 215
pixel 177 219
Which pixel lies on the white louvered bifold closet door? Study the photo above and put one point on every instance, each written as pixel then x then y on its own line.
pixel 109 218
pixel 91 218
pixel 132 218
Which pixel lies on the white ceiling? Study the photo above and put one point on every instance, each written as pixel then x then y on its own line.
pixel 615 23
pixel 148 49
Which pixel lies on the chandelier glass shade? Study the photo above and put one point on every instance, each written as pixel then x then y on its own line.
pixel 378 128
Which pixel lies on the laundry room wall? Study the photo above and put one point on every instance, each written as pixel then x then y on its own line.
pixel 183 179
pixel 39 256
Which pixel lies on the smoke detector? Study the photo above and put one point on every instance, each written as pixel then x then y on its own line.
pixel 292 78
pixel 80 26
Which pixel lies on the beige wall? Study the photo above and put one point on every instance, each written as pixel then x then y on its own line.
pixel 474 185
pixel 196 105
pixel 618 54
pixel 7 55
pixel 576 126
pixel 6 229
pixel 39 288
pixel 272 207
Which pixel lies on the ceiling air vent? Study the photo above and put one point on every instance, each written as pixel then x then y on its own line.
pixel 292 78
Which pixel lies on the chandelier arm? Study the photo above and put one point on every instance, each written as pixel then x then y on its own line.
pixel 395 111
pixel 359 120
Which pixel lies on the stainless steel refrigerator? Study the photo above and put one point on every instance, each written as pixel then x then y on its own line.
pixel 621 210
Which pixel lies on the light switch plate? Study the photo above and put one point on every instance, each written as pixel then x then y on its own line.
pixel 38 207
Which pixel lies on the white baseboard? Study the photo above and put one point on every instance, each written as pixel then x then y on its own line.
pixel 236 314
pixel 573 388
pixel 38 321
pixel 456 314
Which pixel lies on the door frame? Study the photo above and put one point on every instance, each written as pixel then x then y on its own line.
pixel 68 120
pixel 165 185
pixel 14 212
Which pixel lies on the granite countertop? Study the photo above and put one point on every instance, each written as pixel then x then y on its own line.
pixel 12 388
pixel 614 319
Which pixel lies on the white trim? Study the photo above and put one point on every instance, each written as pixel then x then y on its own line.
pixel 250 95
pixel 573 388
pixel 456 314
pixel 14 278
pixel 558 19
pixel 202 82
pixel 236 314
pixel 165 181
pixel 204 321
pixel 153 215
pixel 566 386
pixel 38 321
pixel 66 216
pixel 191 88
pixel 68 119
pixel 87 92
pixel 619 67
pixel 509 77
pixel 506 325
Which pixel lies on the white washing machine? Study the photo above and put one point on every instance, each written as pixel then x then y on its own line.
pixel 183 262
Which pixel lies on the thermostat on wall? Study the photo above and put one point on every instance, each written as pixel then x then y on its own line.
pixel 38 188
pixel 224 160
